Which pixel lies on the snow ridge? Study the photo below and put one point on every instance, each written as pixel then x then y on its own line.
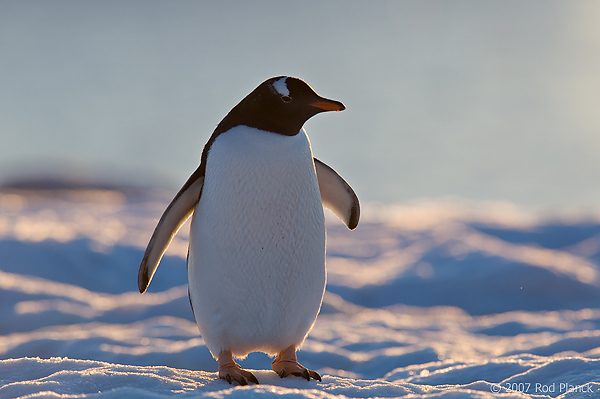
pixel 423 301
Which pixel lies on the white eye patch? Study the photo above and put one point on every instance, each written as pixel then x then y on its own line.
pixel 281 87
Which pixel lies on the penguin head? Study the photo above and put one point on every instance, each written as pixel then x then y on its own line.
pixel 280 105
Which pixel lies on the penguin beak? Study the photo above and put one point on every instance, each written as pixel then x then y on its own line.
pixel 325 104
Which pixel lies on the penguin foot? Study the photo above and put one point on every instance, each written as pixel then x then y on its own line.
pixel 230 371
pixel 286 365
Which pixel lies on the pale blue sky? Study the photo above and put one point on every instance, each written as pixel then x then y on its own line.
pixel 494 100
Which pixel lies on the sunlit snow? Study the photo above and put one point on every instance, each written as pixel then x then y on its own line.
pixel 432 299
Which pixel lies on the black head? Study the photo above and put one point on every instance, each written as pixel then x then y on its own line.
pixel 279 105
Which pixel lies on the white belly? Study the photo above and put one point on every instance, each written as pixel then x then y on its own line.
pixel 256 264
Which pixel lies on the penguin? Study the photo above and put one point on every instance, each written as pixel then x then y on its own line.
pixel 256 256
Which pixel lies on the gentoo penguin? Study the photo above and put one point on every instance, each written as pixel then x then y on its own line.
pixel 256 260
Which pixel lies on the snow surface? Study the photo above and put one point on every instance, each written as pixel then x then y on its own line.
pixel 430 300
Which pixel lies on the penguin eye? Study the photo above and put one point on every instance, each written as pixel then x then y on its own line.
pixel 286 99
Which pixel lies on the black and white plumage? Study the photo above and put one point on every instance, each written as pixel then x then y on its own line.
pixel 256 263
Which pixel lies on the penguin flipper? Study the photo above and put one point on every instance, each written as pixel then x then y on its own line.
pixel 337 195
pixel 176 214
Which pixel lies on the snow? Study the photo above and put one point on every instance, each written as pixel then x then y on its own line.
pixel 438 299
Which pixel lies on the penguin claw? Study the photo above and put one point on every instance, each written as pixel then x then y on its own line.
pixel 295 370
pixel 252 378
pixel 315 375
pixel 286 365
pixel 242 376
pixel 302 373
pixel 231 371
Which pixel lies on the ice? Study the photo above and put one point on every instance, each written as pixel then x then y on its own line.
pixel 436 299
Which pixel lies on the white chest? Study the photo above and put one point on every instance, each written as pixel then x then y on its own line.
pixel 261 183
pixel 258 235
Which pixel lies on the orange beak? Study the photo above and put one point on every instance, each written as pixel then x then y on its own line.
pixel 328 105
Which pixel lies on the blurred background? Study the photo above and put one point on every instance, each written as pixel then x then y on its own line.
pixel 495 100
